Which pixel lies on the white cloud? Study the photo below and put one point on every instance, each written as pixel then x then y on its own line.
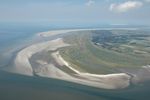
pixel 90 2
pixel 126 6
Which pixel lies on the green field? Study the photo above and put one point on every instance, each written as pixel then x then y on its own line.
pixel 109 52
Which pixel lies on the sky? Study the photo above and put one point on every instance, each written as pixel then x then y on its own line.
pixel 76 12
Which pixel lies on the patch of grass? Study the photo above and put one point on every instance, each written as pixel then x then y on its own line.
pixel 87 57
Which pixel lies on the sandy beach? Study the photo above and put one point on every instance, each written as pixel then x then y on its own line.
pixel 37 60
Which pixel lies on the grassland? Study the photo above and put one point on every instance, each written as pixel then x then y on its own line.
pixel 118 49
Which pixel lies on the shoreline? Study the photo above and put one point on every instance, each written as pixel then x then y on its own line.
pixel 24 64
pixel 59 32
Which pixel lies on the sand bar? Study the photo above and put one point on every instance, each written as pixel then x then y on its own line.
pixel 43 68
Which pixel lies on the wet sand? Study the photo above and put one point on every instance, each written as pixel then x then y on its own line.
pixel 26 64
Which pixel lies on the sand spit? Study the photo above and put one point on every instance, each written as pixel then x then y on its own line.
pixel 109 81
pixel 22 64
pixel 26 64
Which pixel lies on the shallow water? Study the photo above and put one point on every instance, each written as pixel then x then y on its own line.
pixel 14 36
pixel 16 87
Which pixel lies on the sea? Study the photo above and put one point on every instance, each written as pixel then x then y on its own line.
pixel 13 36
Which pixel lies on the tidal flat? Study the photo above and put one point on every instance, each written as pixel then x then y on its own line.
pixel 62 57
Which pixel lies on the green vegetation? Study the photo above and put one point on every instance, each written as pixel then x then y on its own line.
pixel 105 51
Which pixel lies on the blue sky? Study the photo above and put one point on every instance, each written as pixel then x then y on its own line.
pixel 76 11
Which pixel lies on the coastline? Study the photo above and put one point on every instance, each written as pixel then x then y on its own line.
pixel 59 32
pixel 24 64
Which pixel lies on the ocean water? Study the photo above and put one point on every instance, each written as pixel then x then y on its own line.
pixel 13 36
pixel 18 87
pixel 14 33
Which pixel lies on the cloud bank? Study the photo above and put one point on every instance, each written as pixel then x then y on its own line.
pixel 126 6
